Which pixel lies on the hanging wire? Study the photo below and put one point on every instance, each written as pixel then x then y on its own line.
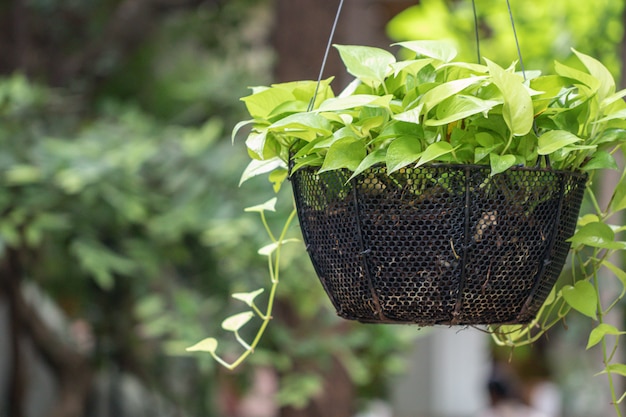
pixel 519 50
pixel 330 42
pixel 476 34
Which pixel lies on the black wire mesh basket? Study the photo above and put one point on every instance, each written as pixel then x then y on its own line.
pixel 438 244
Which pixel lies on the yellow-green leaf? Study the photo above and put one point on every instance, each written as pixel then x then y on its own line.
pixel 247 297
pixel 237 321
pixel 554 140
pixel 206 345
pixel 269 205
pixel 599 332
pixel 518 105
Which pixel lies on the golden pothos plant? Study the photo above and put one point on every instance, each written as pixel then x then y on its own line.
pixel 429 108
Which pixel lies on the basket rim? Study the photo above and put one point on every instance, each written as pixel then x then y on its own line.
pixel 452 167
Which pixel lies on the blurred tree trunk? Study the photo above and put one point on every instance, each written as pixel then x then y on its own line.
pixel 71 369
pixel 300 38
pixel 303 28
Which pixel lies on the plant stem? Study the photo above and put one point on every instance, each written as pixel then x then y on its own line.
pixel 274 270
pixel 605 357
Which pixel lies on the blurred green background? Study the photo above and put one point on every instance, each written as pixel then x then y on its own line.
pixel 122 231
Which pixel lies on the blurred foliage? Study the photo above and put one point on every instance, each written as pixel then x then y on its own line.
pixel 120 193
pixel 546 30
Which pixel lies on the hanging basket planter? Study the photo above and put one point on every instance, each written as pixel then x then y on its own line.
pixel 438 244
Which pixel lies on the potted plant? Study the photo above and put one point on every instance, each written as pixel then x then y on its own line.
pixel 432 191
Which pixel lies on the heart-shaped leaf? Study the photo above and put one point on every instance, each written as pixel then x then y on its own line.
pixel 500 163
pixel 582 297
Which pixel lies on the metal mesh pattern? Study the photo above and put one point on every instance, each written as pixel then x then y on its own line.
pixel 440 244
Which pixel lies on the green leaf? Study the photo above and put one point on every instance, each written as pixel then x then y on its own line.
pixel 554 140
pixel 409 66
pixel 277 178
pixel 617 115
pixel 410 116
pixel 305 126
pixel 257 143
pixel 434 151
pixel 598 235
pixel 612 135
pixel 237 321
pixel 577 75
pixel 598 333
pixel 613 98
pixel 248 297
pixel 600 160
pixel 373 158
pixel 256 167
pixel 518 105
pixel 261 104
pixel 582 297
pixel 459 107
pixel 606 82
pixel 267 250
pixel 441 50
pixel 588 218
pixel 616 368
pixel 500 163
pixel 350 102
pixel 269 205
pixel 238 127
pixel 488 146
pixel 206 345
pixel 438 94
pixel 402 151
pixel 344 153
pixel 367 63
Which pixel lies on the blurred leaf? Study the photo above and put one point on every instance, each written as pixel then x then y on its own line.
pixel 248 297
pixel 269 249
pixel 237 321
pixel 269 205
pixel 206 345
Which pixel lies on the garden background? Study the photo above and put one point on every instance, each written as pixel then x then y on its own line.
pixel 122 231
